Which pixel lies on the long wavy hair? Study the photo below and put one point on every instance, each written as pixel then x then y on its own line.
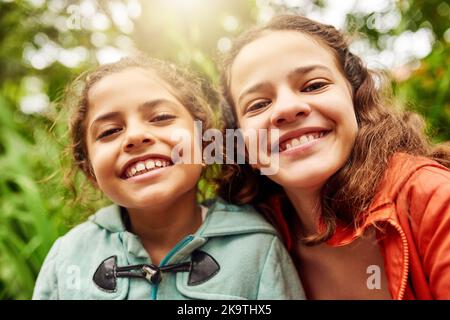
pixel 382 131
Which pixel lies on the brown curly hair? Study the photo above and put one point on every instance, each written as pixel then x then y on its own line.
pixel 382 131
pixel 196 95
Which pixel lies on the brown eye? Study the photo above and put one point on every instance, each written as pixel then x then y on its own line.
pixel 108 133
pixel 258 105
pixel 315 86
pixel 162 117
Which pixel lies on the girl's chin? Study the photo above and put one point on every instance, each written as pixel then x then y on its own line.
pixel 143 199
pixel 301 178
pixel 156 196
pixel 141 205
pixel 303 183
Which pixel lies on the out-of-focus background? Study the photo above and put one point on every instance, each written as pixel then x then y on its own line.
pixel 45 44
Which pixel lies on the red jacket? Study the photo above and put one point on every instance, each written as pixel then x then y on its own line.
pixel 413 205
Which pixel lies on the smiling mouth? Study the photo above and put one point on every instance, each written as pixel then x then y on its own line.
pixel 144 166
pixel 302 139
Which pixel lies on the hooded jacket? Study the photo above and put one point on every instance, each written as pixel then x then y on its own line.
pixel 244 260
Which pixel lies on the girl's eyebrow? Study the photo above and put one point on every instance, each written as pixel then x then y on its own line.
pixel 296 72
pixel 307 69
pixel 255 88
pixel 144 105
pixel 103 117
pixel 153 103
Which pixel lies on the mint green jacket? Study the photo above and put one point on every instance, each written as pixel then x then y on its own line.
pixel 253 262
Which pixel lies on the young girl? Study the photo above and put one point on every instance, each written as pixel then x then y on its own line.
pixel 156 241
pixel 361 197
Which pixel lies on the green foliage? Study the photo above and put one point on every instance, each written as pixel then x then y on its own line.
pixel 27 230
pixel 425 90
pixel 34 204
pixel 427 93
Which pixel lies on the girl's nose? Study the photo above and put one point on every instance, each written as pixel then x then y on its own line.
pixel 288 108
pixel 137 138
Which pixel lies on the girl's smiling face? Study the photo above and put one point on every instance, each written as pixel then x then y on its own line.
pixel 132 116
pixel 286 80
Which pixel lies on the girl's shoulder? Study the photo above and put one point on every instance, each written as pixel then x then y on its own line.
pixel 99 229
pixel 219 204
pixel 413 185
pixel 418 187
pixel 75 255
pixel 233 219
pixel 407 171
pixel 424 185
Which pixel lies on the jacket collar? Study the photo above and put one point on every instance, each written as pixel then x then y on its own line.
pixel 109 218
pixel 227 219
pixel 221 219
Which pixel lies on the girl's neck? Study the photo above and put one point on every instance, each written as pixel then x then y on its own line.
pixel 307 206
pixel 162 227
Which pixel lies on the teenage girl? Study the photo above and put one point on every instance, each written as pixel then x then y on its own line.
pixel 362 198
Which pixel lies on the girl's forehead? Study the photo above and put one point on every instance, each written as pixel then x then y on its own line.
pixel 134 83
pixel 131 86
pixel 129 78
pixel 279 51
pixel 274 46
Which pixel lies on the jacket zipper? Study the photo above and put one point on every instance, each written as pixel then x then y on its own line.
pixel 174 250
pixel 405 271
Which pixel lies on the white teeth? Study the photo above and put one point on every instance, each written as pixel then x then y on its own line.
pixel 150 164
pixel 140 166
pixel 144 166
pixel 303 139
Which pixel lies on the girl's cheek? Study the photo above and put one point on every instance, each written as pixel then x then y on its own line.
pixel 105 152
pixel 256 122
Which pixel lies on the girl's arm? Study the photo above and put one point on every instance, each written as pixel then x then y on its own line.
pixel 46 283
pixel 279 279
pixel 429 204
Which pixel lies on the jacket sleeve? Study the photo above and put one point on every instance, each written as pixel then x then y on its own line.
pixel 279 279
pixel 46 283
pixel 429 206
